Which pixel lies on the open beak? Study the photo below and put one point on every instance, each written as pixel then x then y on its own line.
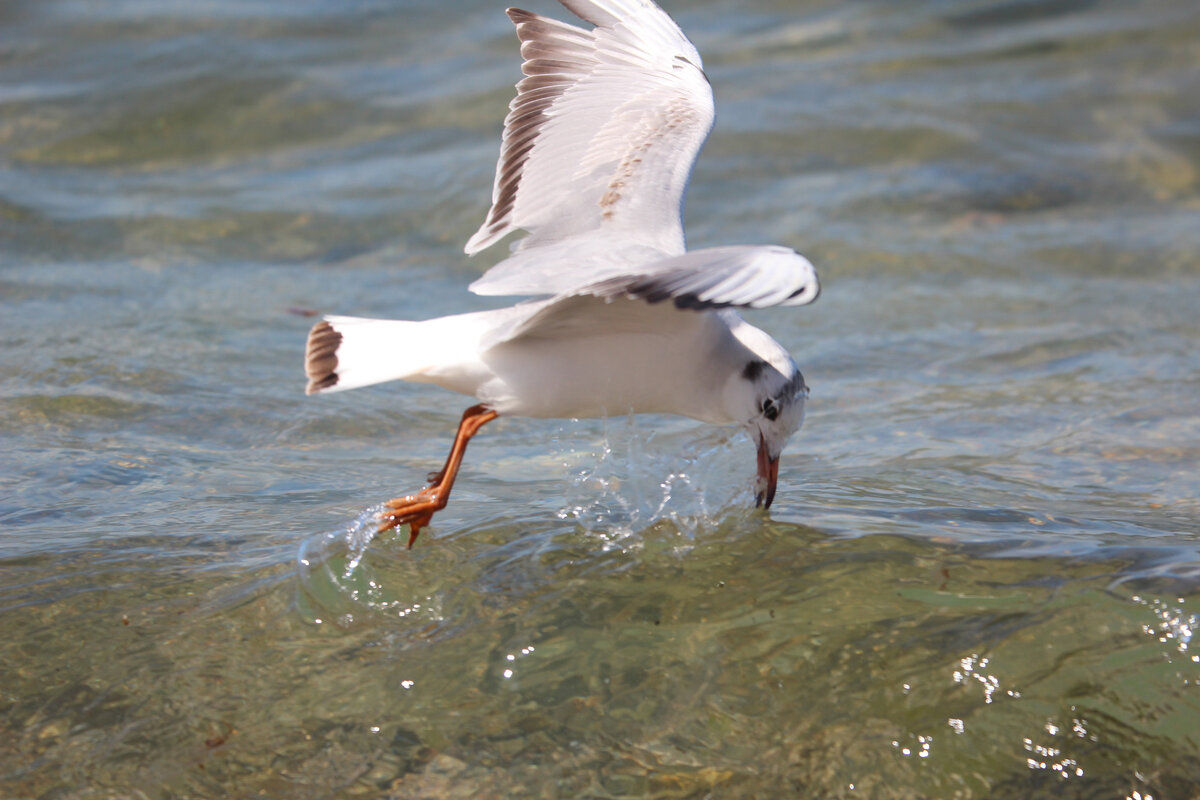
pixel 768 476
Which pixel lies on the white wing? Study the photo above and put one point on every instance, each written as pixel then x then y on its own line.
pixel 719 277
pixel 603 132
pixel 564 266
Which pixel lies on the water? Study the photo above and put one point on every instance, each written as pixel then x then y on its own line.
pixel 980 577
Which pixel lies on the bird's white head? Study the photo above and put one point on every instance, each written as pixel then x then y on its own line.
pixel 766 395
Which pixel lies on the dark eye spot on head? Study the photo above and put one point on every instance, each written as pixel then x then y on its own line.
pixel 753 369
pixel 770 410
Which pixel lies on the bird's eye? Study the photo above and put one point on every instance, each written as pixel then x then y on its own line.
pixel 770 410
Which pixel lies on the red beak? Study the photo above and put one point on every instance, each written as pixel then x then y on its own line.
pixel 768 476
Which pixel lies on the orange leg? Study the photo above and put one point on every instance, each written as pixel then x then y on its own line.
pixel 416 510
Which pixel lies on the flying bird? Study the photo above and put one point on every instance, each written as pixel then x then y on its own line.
pixel 597 149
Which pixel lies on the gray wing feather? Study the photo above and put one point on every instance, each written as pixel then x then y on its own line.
pixel 719 277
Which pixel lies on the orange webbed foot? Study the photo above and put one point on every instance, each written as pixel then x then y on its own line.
pixel 417 510
pixel 414 510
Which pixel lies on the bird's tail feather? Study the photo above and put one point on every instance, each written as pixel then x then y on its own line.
pixel 349 352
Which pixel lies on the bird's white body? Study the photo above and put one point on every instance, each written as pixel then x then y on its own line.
pixel 594 358
pixel 596 153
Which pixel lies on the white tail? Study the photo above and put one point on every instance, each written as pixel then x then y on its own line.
pixel 349 352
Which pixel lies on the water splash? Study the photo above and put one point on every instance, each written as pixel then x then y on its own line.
pixel 337 581
pixel 635 477
pixel 622 480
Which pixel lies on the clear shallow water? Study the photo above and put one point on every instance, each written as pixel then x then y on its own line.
pixel 980 575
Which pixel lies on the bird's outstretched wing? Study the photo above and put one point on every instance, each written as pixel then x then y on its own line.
pixel 603 132
pixel 720 277
pixel 715 278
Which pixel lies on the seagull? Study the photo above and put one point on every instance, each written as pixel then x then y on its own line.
pixel 621 317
